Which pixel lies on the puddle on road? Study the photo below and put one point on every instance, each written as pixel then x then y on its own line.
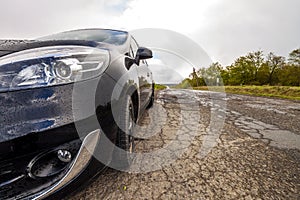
pixel 282 139
pixel 260 130
pixel 266 107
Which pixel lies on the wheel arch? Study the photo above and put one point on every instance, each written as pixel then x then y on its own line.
pixel 133 92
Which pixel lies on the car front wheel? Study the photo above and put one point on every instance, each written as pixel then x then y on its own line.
pixel 123 154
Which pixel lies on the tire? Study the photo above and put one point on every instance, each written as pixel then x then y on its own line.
pixel 151 102
pixel 125 141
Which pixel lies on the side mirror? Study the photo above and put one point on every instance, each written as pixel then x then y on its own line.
pixel 142 54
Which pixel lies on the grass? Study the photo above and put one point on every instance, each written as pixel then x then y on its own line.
pixel 285 92
pixel 159 87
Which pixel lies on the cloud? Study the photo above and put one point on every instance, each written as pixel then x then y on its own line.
pixel 239 26
pixel 181 16
pixel 225 29
pixel 33 18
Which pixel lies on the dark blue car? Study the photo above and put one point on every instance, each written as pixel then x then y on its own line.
pixel 68 105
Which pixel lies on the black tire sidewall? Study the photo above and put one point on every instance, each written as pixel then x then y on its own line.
pixel 122 156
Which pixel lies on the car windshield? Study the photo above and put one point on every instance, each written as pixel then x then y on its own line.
pixel 99 35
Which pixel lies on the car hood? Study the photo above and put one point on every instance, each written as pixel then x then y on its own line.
pixel 12 46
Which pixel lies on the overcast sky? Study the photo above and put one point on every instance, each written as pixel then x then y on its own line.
pixel 224 29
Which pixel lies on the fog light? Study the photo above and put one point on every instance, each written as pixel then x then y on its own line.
pixel 64 155
pixel 49 163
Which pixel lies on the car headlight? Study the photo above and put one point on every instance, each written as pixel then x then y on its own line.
pixel 47 66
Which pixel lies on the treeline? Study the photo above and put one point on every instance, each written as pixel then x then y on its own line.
pixel 252 69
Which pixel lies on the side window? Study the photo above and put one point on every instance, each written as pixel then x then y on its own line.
pixel 134 46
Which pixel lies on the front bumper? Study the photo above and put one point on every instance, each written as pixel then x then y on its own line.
pixel 81 161
pixel 38 122
pixel 19 184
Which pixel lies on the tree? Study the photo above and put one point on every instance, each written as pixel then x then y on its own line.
pixel 263 74
pixel 255 60
pixel 241 71
pixel 186 83
pixel 289 75
pixel 212 74
pixel 274 63
pixel 195 79
pixel 294 57
pixel 225 75
pixel 251 69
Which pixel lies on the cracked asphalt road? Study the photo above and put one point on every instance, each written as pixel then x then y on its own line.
pixel 206 145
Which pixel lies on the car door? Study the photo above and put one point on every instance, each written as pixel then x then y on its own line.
pixel 144 76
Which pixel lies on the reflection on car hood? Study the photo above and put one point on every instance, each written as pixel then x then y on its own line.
pixel 11 46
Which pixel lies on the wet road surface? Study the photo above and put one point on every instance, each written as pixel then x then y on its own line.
pixel 206 145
